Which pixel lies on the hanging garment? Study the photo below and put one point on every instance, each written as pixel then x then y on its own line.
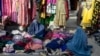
pixel 15 10
pixel 43 9
pixel 78 44
pixel 51 6
pixel 30 6
pixel 67 9
pixel 79 17
pixel 86 17
pixel 0 8
pixel 23 12
pixel 34 9
pixel 60 17
pixel 6 8
pixel 96 14
pixel 42 12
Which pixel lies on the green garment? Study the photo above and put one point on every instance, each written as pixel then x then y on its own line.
pixel 47 20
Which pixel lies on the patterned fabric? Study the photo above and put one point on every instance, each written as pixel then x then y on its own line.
pixel 51 1
pixel 96 13
pixel 6 7
pixel 58 35
pixel 51 6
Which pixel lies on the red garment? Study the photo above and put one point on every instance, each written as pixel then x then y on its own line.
pixel 14 10
pixel 23 12
pixel 49 35
pixel 34 8
pixel 67 9
pixel 33 46
pixel 6 7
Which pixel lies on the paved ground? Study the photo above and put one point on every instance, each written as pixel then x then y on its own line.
pixel 71 25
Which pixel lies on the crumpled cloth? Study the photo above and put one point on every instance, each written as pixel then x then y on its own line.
pixel 33 46
pixel 56 44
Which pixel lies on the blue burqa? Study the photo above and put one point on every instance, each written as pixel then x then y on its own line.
pixel 78 44
pixel 36 29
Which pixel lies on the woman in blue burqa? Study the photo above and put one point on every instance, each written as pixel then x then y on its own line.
pixel 78 44
pixel 37 29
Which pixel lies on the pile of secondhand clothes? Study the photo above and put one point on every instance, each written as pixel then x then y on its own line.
pixel 48 41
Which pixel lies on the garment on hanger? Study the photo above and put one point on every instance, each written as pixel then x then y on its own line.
pixel 51 6
pixel 15 4
pixel 34 9
pixel 67 9
pixel 60 17
pixel 96 14
pixel 0 8
pixel 23 12
pixel 6 7
pixel 87 16
pixel 42 12
pixel 43 9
